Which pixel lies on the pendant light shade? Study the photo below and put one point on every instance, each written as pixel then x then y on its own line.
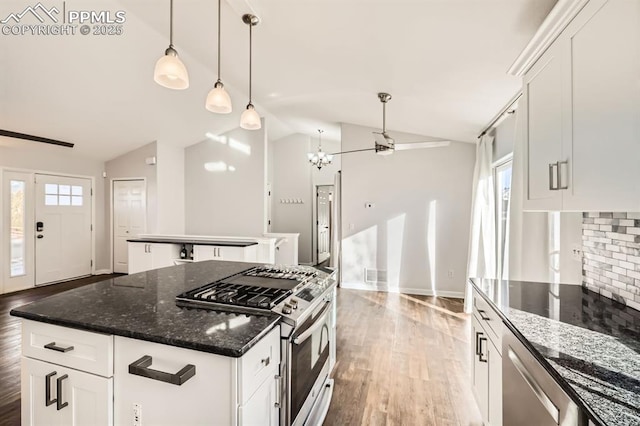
pixel 170 72
pixel 250 118
pixel 218 100
pixel 320 158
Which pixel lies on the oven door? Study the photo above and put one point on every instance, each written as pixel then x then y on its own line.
pixel 309 352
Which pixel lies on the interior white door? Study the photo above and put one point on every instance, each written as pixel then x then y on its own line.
pixel 129 213
pixel 62 228
pixel 17 243
pixel 324 195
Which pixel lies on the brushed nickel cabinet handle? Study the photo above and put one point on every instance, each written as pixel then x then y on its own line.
pixel 551 175
pixel 559 174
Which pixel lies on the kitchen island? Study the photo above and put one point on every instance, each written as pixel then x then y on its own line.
pixel 588 344
pixel 122 352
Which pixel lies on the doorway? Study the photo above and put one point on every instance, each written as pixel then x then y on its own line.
pixel 324 201
pixel 129 213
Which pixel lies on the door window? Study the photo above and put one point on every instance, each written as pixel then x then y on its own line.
pixel 502 179
pixel 62 195
pixel 18 246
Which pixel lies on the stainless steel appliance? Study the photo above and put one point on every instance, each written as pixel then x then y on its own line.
pixel 530 395
pixel 305 299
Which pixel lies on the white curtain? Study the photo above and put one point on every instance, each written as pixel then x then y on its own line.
pixel 482 242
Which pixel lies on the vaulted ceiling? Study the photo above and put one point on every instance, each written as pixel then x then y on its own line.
pixel 317 63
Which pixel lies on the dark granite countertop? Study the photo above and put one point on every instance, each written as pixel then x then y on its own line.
pixel 223 243
pixel 142 306
pixel 590 344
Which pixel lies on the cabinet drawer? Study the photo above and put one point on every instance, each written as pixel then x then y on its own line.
pixel 260 362
pixel 489 319
pixel 78 349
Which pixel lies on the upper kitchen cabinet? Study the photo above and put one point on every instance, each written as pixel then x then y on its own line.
pixel 582 113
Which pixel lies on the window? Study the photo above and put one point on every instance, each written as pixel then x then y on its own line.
pixel 62 195
pixel 502 179
pixel 18 246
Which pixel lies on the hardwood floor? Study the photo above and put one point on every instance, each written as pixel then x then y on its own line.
pixel 10 342
pixel 402 359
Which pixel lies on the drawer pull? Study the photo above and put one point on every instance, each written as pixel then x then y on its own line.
pixel 537 390
pixel 53 347
pixel 141 368
pixel 278 378
pixel 47 389
pixel 484 315
pixel 60 404
pixel 266 361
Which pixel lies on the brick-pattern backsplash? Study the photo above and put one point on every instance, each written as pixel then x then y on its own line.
pixel 611 255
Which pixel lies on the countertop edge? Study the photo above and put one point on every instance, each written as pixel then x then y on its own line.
pixel 146 337
pixel 541 359
pixel 195 242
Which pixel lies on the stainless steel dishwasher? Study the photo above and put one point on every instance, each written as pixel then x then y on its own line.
pixel 530 395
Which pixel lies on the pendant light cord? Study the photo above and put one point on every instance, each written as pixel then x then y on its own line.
pixel 250 55
pixel 171 23
pixel 219 32
pixel 384 117
pixel 320 139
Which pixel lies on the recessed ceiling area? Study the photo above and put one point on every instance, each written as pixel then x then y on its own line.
pixel 316 63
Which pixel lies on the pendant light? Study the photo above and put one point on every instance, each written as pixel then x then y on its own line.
pixel 170 72
pixel 250 119
pixel 319 158
pixel 218 99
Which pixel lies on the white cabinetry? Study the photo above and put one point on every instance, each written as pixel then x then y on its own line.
pixel 581 104
pixel 229 253
pixel 486 365
pixel 166 385
pixel 54 389
pixel 147 256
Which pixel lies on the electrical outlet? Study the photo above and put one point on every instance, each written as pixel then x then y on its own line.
pixel 576 252
pixel 450 273
pixel 137 414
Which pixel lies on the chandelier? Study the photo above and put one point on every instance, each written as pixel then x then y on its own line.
pixel 320 158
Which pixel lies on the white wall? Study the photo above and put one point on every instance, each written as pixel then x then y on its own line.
pixel 397 235
pixel 33 156
pixel 171 189
pixel 227 202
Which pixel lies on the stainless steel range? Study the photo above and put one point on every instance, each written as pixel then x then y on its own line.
pixel 305 299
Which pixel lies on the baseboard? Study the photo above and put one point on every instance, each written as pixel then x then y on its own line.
pixel 403 290
pixel 103 272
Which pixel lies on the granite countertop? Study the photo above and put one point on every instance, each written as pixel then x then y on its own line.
pixel 142 306
pixel 590 344
pixel 202 242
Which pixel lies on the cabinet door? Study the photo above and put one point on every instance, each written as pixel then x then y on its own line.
pixel 163 255
pixel 140 258
pixel 201 253
pixel 604 49
pixel 261 409
pixel 89 398
pixel 543 111
pixel 480 367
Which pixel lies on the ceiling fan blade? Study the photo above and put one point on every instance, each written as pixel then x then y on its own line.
pixel 419 145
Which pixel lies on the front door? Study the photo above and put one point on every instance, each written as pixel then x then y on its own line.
pixel 129 214
pixel 62 228
pixel 324 194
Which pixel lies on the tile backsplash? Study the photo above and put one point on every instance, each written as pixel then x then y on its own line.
pixel 611 255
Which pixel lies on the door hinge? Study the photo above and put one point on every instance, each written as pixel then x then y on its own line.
pixel 269 222
pixel 92 227
pixel 91 262
pixel 92 192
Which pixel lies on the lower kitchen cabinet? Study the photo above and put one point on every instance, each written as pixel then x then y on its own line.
pixel 234 254
pixel 147 256
pixel 55 395
pixel 486 366
pixel 166 385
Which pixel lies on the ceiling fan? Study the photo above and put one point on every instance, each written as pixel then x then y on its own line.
pixel 385 144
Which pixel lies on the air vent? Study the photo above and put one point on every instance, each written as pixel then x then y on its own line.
pixel 375 276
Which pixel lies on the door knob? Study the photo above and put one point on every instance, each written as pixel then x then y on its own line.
pixel 40 236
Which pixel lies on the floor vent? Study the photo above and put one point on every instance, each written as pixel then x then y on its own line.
pixel 375 276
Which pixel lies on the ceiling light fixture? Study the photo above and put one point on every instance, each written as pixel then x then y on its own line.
pixel 320 158
pixel 218 99
pixel 170 72
pixel 250 119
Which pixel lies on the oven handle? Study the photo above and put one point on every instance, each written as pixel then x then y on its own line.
pixel 316 325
